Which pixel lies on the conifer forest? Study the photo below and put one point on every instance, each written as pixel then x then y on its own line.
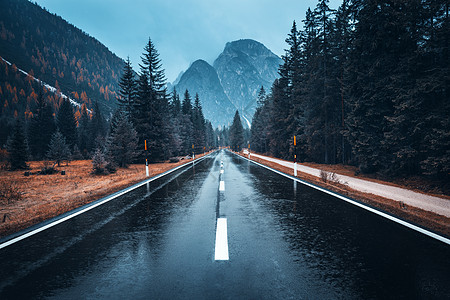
pixel 366 85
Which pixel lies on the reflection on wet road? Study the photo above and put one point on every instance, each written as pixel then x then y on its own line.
pixel 284 240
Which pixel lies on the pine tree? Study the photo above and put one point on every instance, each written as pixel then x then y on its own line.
pixel 150 114
pixel 99 163
pixel 210 137
pixel 236 135
pixel 187 130
pixel 372 60
pixel 97 128
pixel 186 106
pixel 58 149
pixel 175 124
pixel 41 128
pixel 84 137
pixel 175 106
pixel 261 98
pixel 123 142
pixel 18 148
pixel 66 122
pixel 127 89
pixel 198 121
pixel 434 89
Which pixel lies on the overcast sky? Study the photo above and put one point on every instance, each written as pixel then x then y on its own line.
pixel 182 30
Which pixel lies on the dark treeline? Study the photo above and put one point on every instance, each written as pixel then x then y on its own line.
pixel 366 84
pixel 171 126
pixel 146 112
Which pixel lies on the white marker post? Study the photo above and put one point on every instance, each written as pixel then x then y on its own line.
pixel 295 156
pixel 146 159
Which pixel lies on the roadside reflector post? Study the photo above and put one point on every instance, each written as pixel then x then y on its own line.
pixel 248 149
pixel 146 159
pixel 295 155
pixel 193 154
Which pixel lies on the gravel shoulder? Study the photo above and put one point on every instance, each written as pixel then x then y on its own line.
pixel 425 210
pixel 431 203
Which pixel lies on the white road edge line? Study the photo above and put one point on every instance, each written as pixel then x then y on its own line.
pixel 107 199
pixel 221 250
pixel 380 213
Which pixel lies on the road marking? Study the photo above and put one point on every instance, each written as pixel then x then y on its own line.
pixel 222 186
pixel 93 205
pixel 354 202
pixel 221 251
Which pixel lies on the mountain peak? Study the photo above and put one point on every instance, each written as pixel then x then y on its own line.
pixel 249 47
pixel 233 81
pixel 243 67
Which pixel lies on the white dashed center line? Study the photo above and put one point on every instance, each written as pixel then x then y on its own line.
pixel 221 252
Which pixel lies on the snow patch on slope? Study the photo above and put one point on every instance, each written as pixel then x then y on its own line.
pixel 47 86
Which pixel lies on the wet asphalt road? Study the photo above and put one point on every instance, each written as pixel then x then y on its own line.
pixel 285 241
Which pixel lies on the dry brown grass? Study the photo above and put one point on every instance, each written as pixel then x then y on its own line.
pixel 415 215
pixel 47 196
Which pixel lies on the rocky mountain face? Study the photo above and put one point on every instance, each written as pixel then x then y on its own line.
pixel 202 78
pixel 243 67
pixel 234 81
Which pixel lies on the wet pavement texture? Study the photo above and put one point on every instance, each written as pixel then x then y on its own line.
pixel 285 241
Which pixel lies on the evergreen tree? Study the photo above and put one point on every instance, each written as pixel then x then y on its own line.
pixel 41 129
pixel 123 142
pixel 99 163
pixel 18 148
pixel 175 124
pixel 236 135
pixel 371 63
pixel 150 114
pixel 97 128
pixel 186 106
pixel 210 136
pixel 58 149
pixel 84 137
pixel 187 130
pixel 198 121
pixel 175 106
pixel 261 98
pixel 66 122
pixel 127 89
pixel 434 88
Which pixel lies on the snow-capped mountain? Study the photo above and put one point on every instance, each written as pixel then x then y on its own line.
pixel 234 81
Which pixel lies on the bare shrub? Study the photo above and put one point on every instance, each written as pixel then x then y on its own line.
pixel 47 168
pixel 9 192
pixel 4 163
pixel 333 178
pixel 328 177
pixel 324 175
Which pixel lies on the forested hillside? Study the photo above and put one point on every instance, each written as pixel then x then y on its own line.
pixel 367 85
pixel 57 53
